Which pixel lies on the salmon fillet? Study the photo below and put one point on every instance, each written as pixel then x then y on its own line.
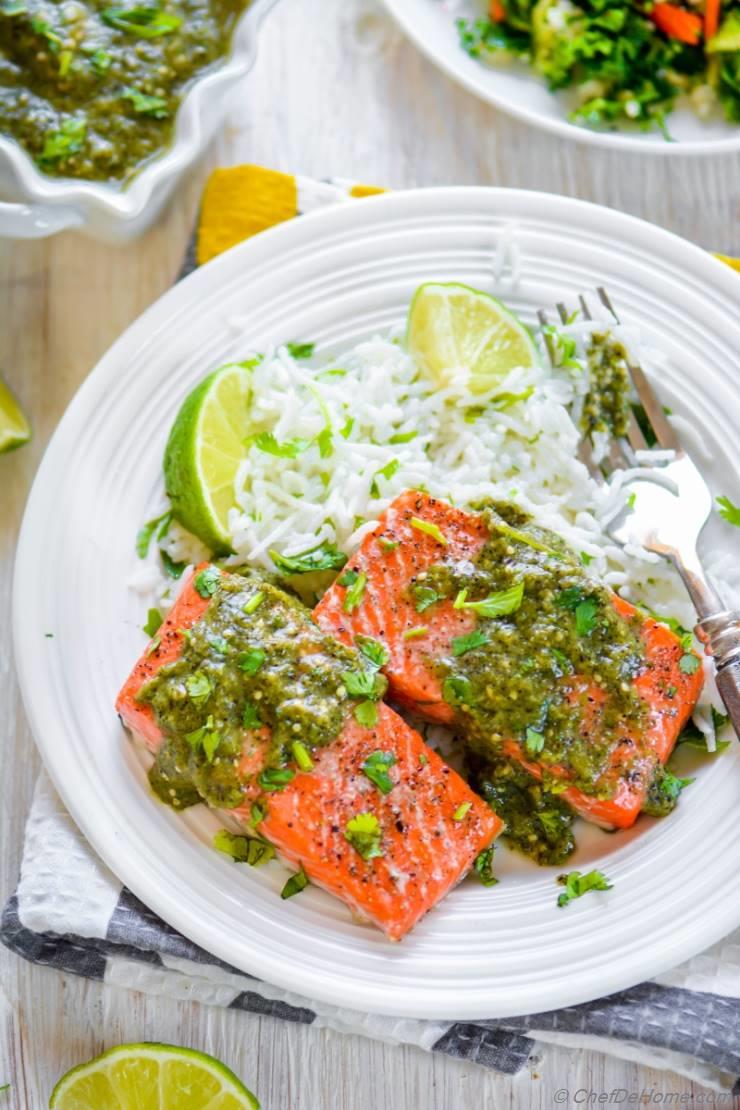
pixel 386 611
pixel 430 824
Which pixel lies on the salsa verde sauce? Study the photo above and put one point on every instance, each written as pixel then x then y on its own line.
pixel 90 88
pixel 254 668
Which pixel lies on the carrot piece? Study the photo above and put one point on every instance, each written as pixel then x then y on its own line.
pixel 677 23
pixel 496 11
pixel 711 18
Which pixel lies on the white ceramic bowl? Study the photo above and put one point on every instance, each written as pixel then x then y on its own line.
pixel 35 205
pixel 516 89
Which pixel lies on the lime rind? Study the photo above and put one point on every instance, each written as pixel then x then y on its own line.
pixel 130 1075
pixel 14 427
pixel 203 453
pixel 452 328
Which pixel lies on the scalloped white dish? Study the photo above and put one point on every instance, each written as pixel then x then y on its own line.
pixel 516 89
pixel 334 278
pixel 35 205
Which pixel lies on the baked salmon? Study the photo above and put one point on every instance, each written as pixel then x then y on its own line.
pixel 424 632
pixel 373 816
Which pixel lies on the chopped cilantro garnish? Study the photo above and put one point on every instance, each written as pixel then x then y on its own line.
pixel 376 768
pixel 583 606
pixel 199 687
pixel 430 529
pixel 425 596
pixel 153 622
pixel 456 690
pixel 586 559
pixel 386 544
pixel 728 511
pixel 243 849
pixel 319 558
pixel 273 779
pixel 206 581
pixel 363 833
pixel 250 717
pixel 354 594
pixel 364 684
pixel 460 599
pixel 483 867
pixel 100 60
pixel 145 105
pixel 250 660
pixel 462 811
pixel 258 812
pixel 524 537
pixel 366 714
pixel 346 431
pixel 69 139
pixel 576 885
pixel 534 741
pixel 325 443
pixel 375 652
pixel 301 756
pixel 561 659
pixel 300 350
pixel 289 449
pixel 146 21
pixel 416 633
pixel 348 578
pixel 295 884
pixel 423 759
pixel 505 400
pixel 386 471
pixel 497 605
pixel 219 644
pixel 403 437
pixel 689 663
pixel 171 568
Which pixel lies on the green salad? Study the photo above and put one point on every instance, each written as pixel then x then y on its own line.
pixel 626 62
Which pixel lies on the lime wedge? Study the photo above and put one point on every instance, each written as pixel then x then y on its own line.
pixel 452 329
pixel 203 453
pixel 155 1076
pixel 14 428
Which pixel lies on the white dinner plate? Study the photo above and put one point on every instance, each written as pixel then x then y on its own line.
pixel 518 90
pixel 334 277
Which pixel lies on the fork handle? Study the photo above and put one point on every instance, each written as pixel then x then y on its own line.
pixel 721 635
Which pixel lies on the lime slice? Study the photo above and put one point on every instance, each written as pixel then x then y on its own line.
pixel 203 453
pixel 155 1076
pixel 453 328
pixel 14 428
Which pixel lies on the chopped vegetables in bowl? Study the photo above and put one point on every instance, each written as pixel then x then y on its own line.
pixel 626 64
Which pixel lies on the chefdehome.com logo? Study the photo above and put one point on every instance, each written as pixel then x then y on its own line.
pixel 646 1096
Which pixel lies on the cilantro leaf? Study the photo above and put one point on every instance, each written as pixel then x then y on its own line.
pixel 403 437
pixel 206 581
pixel 462 644
pixel 320 558
pixel 483 867
pixel 376 653
pixel 425 596
pixel 534 741
pixel 456 690
pixel 386 544
pixel 499 604
pixel 273 779
pixel 295 884
pixel 577 884
pixel 171 568
pixel 199 687
pixel 462 811
pixel 290 449
pixel 364 834
pixel 376 768
pixel 354 594
pixel 153 622
pixel 160 525
pixel 586 616
pixel 366 714
pixel 250 717
pixel 145 105
pixel 243 849
pixel 300 350
pixel 728 511
pixel 146 21
pixel 348 578
pixel 69 139
pixel 365 684
pixel 250 660
pixel 689 663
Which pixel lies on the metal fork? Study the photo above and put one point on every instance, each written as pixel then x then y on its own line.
pixel 667 514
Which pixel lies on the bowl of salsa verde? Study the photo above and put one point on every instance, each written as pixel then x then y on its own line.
pixel 103 104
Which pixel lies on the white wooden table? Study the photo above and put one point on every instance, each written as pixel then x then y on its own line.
pixel 318 102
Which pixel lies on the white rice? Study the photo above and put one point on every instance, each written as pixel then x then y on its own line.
pixel 463 449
